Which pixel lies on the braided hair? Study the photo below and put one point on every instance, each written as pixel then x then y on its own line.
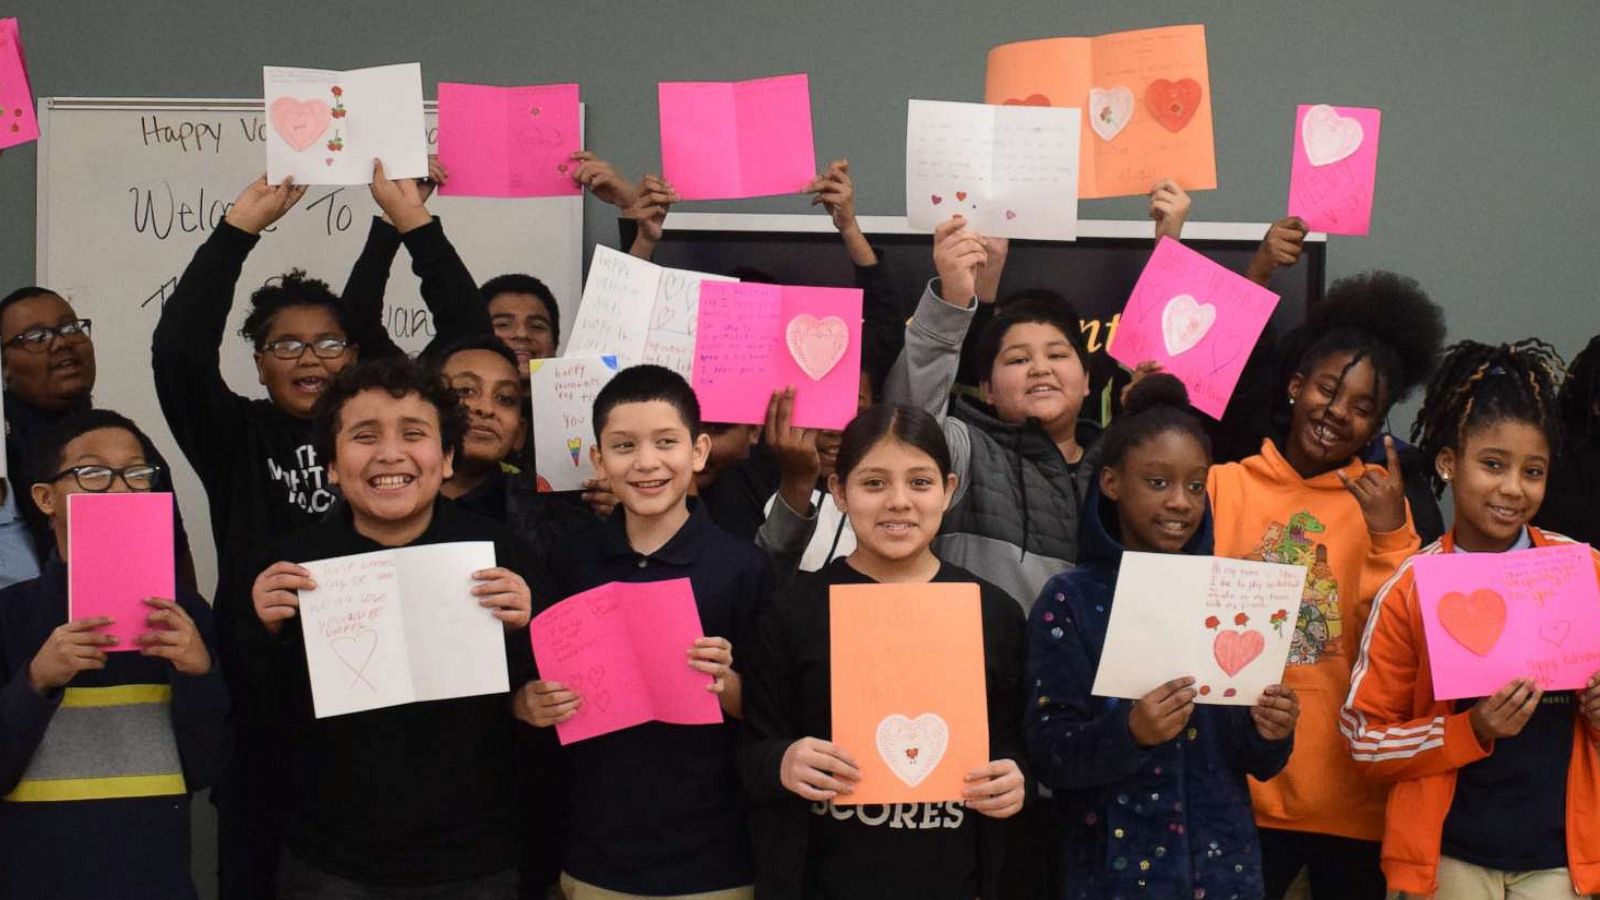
pixel 1580 394
pixel 1479 385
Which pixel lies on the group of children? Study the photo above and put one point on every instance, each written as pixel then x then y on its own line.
pixel 1349 770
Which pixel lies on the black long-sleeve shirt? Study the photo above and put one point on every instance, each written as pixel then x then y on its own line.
pixel 448 289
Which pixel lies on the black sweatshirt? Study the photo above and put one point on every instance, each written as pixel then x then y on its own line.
pixel 408 795
pixel 97 848
pixel 804 849
pixel 447 288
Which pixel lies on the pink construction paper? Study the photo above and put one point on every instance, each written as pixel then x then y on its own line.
pixel 509 141
pixel 18 122
pixel 1224 315
pixel 723 140
pixel 624 647
pixel 119 551
pixel 1551 627
pixel 741 353
pixel 1336 197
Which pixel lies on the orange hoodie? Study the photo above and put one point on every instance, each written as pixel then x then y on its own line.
pixel 1399 733
pixel 1264 510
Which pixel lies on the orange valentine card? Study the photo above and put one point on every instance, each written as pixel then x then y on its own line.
pixel 909 703
pixel 1145 96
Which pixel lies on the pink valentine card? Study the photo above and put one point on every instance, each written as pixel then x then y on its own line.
pixel 1197 319
pixel 18 123
pixel 752 339
pixel 624 648
pixel 1335 168
pixel 119 551
pixel 723 140
pixel 1494 617
pixel 509 141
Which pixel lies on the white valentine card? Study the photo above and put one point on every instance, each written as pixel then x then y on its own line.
pixel 326 127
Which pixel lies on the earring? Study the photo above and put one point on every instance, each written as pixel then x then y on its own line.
pixel 1444 477
pixel 1291 399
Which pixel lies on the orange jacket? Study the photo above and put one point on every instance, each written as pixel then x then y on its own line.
pixel 1399 733
pixel 1262 509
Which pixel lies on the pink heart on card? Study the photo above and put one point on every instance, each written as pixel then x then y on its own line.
pixel 816 344
pixel 1185 322
pixel 1236 649
pixel 936 199
pixel 300 122
pixel 1328 136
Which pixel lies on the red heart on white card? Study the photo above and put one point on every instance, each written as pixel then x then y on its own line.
pixel 1328 136
pixel 1236 649
pixel 816 344
pixel 299 122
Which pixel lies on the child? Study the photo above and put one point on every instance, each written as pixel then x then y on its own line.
pixel 1574 493
pixel 1152 794
pixel 1313 502
pixel 411 800
pixel 49 368
pixel 655 810
pixel 894 481
pixel 99 751
pixel 1499 797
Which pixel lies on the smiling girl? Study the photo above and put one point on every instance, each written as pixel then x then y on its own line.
pixel 1496 797
pixel 894 482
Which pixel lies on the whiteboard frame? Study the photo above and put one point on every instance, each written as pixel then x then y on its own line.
pixel 1087 228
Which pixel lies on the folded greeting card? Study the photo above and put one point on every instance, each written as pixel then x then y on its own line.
pixel 562 392
pixel 638 312
pixel 722 140
pixel 509 141
pixel 327 127
pixel 1335 168
pixel 18 123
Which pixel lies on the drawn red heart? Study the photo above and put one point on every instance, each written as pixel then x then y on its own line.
pixel 562 168
pixel 1236 649
pixel 534 111
pixel 329 160
pixel 961 195
pixel 1230 692
pixel 911 753
pixel 1010 215
pixel 1030 100
pixel 936 199
pixel 1555 632
pixel 1475 620
pixel 1173 103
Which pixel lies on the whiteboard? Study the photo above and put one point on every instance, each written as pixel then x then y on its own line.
pixel 129 188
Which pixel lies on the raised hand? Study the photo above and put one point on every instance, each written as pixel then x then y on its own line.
pixel 401 201
pixel 599 178
pixel 958 254
pixel 262 204
pixel 1169 207
pixel 1382 495
pixel 652 199
pixel 794 449
pixel 1280 249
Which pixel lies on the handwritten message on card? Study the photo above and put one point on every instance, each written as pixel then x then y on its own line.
pixel 723 140
pixel 18 122
pixel 1145 96
pixel 638 312
pixel 1227 622
pixel 562 392
pixel 509 141
pixel 754 339
pixel 1494 617
pixel 326 127
pixel 1197 319
pixel 400 626
pixel 1012 171
pixel 622 647
pixel 1335 168
pixel 121 553
pixel 908 688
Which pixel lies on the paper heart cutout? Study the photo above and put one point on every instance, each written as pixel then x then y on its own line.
pixel 961 195
pixel 936 199
pixel 1030 100
pixel 1328 136
pixel 816 344
pixel 355 651
pixel 1173 103
pixel 1110 109
pixel 299 122
pixel 912 748
pixel 1236 649
pixel 1475 620
pixel 1555 632
pixel 1185 322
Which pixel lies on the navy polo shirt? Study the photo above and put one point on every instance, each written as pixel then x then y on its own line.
pixel 657 809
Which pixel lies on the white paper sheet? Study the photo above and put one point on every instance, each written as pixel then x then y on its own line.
pixel 562 393
pixel 638 312
pixel 326 127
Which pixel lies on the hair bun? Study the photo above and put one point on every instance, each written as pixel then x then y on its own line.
pixel 1153 390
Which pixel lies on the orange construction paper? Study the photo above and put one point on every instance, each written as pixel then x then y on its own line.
pixel 909 700
pixel 1151 92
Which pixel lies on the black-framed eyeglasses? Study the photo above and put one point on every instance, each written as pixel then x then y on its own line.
pixel 293 348
pixel 38 337
pixel 98 479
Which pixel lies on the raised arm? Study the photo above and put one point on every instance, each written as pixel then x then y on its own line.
pixel 1280 249
pixel 926 369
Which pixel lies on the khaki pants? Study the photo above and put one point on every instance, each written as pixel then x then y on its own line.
pixel 578 890
pixel 1464 881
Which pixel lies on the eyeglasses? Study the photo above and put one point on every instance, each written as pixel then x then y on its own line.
pixel 38 337
pixel 291 348
pixel 98 479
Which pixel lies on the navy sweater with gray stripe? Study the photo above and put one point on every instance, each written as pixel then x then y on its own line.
pixel 89 849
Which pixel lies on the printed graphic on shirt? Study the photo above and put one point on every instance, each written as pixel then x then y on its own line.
pixel 912 816
pixel 1318 631
pixel 305 482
